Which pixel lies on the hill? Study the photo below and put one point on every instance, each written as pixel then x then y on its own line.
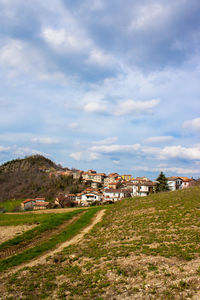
pixel 144 248
pixel 27 178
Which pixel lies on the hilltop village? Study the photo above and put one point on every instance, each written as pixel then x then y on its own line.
pixel 102 189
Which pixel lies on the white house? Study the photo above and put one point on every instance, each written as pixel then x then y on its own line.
pixel 143 188
pixel 174 183
pixel 88 197
pixel 113 195
pixel 178 183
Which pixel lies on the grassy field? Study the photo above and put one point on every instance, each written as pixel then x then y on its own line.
pixel 46 222
pixel 11 205
pixel 144 248
pixel 50 243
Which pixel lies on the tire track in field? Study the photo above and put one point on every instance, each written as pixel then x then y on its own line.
pixel 76 239
pixel 15 249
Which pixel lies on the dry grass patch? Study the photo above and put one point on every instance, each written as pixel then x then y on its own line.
pixel 9 232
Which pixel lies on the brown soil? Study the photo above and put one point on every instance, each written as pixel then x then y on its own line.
pixel 9 232
pixel 161 283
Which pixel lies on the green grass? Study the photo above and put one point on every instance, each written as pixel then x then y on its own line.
pixel 142 248
pixel 47 222
pixel 29 254
pixel 11 204
pixel 21 219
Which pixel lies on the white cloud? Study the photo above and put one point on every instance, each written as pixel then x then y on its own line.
pixel 94 107
pixel 85 156
pixel 173 152
pixel 54 37
pixel 100 58
pixel 19 57
pixel 159 139
pixel 4 149
pixel 192 125
pixel 76 155
pixel 11 53
pixel 169 170
pixel 106 141
pixel 190 153
pixel 44 140
pixel 66 41
pixel 135 107
pixel 149 15
pixel 93 156
pixel 22 151
pixel 115 148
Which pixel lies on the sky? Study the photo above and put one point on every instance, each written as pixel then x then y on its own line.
pixel 110 85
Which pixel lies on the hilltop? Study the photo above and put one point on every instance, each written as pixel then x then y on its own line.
pixel 30 163
pixel 29 178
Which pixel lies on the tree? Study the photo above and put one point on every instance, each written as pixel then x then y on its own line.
pixel 162 185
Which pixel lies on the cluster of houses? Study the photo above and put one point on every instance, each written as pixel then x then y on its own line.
pixel 105 189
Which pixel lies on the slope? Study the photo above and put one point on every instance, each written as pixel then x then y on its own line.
pixel 145 248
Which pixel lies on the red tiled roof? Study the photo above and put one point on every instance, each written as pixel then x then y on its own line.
pixel 28 200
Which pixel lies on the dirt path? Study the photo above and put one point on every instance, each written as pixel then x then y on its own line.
pixel 77 238
pixel 48 211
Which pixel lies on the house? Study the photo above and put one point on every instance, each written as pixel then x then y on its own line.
pixel 93 176
pixel 174 183
pixel 89 175
pixel 112 178
pixel 27 204
pixel 143 188
pixel 99 177
pixel 113 195
pixel 127 177
pixel 187 182
pixel 89 197
pixel 34 204
pixel 127 186
pixel 178 183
